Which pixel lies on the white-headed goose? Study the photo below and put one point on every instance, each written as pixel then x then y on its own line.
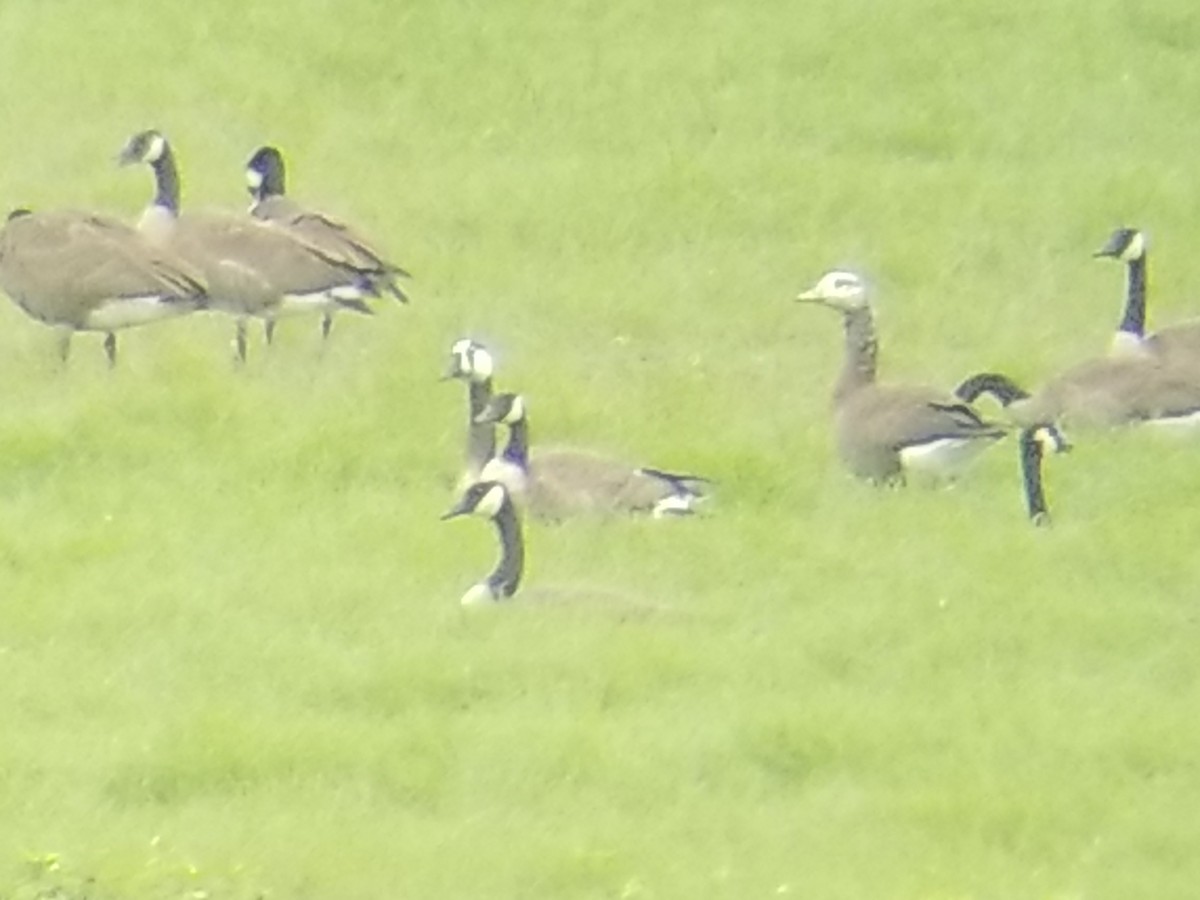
pixel 252 268
pixel 266 179
pixel 883 431
pixel 470 361
pixel 79 271
pixel 559 483
pixel 490 499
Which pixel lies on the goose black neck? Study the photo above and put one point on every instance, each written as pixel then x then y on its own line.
pixel 506 577
pixel 274 179
pixel 517 449
pixel 1133 321
pixel 862 350
pixel 166 181
pixel 1031 474
pixel 481 438
pixel 1003 388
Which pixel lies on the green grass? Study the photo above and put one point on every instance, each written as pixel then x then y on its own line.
pixel 232 663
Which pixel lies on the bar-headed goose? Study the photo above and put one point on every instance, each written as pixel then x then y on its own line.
pixel 491 500
pixel 266 179
pixel 883 431
pixel 1178 344
pixel 252 268
pixel 470 361
pixel 559 483
pixel 78 271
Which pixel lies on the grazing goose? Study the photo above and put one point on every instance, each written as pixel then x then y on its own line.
pixel 252 268
pixel 1177 345
pixel 79 271
pixel 883 431
pixel 1035 442
pixel 1106 392
pixel 491 500
pixel 1109 392
pixel 471 362
pixel 559 483
pixel 267 181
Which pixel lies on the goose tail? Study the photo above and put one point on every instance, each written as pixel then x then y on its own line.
pixel 686 492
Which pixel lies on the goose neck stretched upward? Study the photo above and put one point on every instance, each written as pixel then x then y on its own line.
pixel 481 437
pixel 1133 319
pixel 862 350
pixel 516 450
pixel 166 181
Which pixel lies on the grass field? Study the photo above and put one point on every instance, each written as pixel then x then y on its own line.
pixel 232 660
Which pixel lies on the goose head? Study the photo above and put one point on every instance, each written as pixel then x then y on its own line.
pixel 840 290
pixel 469 361
pixel 144 147
pixel 1050 439
pixel 1124 244
pixel 266 174
pixel 484 499
pixel 502 409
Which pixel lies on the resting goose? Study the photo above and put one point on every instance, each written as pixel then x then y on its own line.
pixel 1178 344
pixel 490 499
pixel 884 431
pixel 560 483
pixel 471 362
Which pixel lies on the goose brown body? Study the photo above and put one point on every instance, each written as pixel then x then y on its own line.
pixel 81 271
pixel 882 430
pixel 252 268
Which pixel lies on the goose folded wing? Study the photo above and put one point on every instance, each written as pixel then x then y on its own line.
pixel 900 417
pixel 336 241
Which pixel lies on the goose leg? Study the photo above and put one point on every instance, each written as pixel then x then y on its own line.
pixel 64 344
pixel 110 348
pixel 269 330
pixel 326 324
pixel 239 341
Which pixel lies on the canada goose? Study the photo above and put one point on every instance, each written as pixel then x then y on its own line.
pixel 79 271
pixel 558 483
pixel 1179 344
pixel 1107 392
pixel 252 268
pixel 882 431
pixel 267 182
pixel 471 362
pixel 491 500
pixel 1034 443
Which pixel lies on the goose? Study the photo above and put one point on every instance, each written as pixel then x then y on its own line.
pixel 80 271
pixel 266 180
pixel 559 483
pixel 470 361
pixel 884 431
pixel 491 500
pixel 1109 392
pixel 1179 344
pixel 252 268
pixel 1034 443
